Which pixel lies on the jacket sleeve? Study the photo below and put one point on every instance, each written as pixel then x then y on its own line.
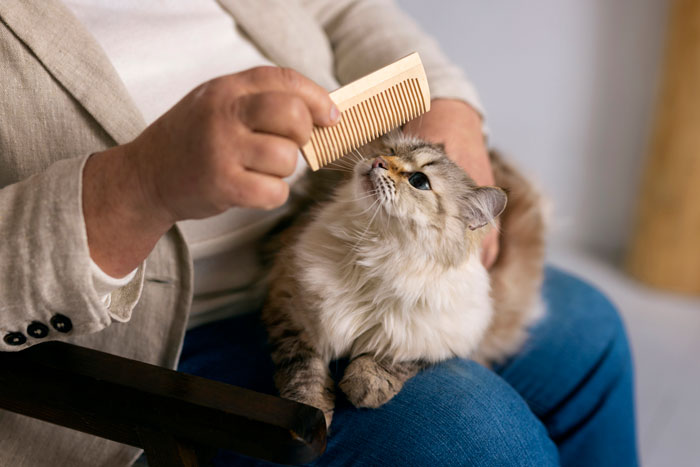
pixel 368 34
pixel 46 283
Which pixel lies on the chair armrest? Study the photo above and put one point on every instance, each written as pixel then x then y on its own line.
pixel 125 400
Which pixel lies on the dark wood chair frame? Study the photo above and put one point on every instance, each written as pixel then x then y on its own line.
pixel 178 419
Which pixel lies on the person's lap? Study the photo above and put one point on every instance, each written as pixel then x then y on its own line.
pixel 567 394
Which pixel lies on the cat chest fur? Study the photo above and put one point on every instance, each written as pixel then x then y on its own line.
pixel 387 303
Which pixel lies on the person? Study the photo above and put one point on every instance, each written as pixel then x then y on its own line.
pixel 128 210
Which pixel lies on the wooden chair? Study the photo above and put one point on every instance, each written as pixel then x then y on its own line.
pixel 178 419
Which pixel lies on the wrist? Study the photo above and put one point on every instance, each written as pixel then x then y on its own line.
pixel 141 181
pixel 122 222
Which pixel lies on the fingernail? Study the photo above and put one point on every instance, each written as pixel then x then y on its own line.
pixel 335 113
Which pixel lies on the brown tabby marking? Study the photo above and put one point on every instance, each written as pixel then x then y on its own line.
pixel 301 374
pixel 516 276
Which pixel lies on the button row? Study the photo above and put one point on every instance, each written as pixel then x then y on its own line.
pixel 39 330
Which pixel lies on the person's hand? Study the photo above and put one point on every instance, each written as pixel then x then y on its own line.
pixel 228 143
pixel 490 248
pixel 458 126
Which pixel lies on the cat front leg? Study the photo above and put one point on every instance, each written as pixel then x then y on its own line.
pixel 303 376
pixel 371 383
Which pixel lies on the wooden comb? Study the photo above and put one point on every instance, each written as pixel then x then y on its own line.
pixel 370 107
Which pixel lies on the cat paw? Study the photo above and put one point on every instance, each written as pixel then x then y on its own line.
pixel 367 385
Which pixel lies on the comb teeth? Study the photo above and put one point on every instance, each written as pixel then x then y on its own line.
pixel 368 120
pixel 369 108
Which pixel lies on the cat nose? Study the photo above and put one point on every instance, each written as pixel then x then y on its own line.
pixel 379 162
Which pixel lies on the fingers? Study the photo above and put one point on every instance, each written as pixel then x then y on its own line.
pixel 490 249
pixel 232 140
pixel 266 159
pixel 279 113
pixel 271 155
pixel 256 190
pixel 270 79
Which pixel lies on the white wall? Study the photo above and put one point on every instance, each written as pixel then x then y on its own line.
pixel 569 88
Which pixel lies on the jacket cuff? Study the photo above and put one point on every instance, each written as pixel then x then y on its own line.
pixel 46 288
pixel 119 295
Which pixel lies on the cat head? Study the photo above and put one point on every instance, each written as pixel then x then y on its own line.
pixel 416 184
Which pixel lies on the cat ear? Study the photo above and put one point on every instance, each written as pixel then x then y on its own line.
pixel 482 205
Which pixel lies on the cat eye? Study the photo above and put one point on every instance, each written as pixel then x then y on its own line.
pixel 419 180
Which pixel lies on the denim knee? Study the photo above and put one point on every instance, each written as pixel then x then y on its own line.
pixel 455 413
pixel 581 349
pixel 575 356
pixel 575 305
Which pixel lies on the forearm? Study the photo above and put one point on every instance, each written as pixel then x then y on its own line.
pixel 459 127
pixel 122 227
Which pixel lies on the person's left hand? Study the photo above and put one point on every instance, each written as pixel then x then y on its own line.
pixel 458 126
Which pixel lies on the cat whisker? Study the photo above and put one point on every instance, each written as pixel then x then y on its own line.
pixel 337 166
pixel 369 224
pixel 336 170
pixel 370 195
pixel 360 156
pixel 351 158
pixel 341 167
pixel 343 159
pixel 369 207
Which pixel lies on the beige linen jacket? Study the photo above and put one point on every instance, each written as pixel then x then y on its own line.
pixel 60 101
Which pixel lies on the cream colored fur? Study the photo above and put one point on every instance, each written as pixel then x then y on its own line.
pixel 378 293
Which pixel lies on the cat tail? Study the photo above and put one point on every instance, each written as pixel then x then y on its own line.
pixel 517 274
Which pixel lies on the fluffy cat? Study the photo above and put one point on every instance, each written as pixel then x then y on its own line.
pixel 386 271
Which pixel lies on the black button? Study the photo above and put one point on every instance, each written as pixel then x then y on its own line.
pixel 61 323
pixel 37 330
pixel 15 338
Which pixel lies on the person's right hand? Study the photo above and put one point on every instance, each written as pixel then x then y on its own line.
pixel 229 142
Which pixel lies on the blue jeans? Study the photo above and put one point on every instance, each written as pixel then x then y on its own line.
pixel 566 398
